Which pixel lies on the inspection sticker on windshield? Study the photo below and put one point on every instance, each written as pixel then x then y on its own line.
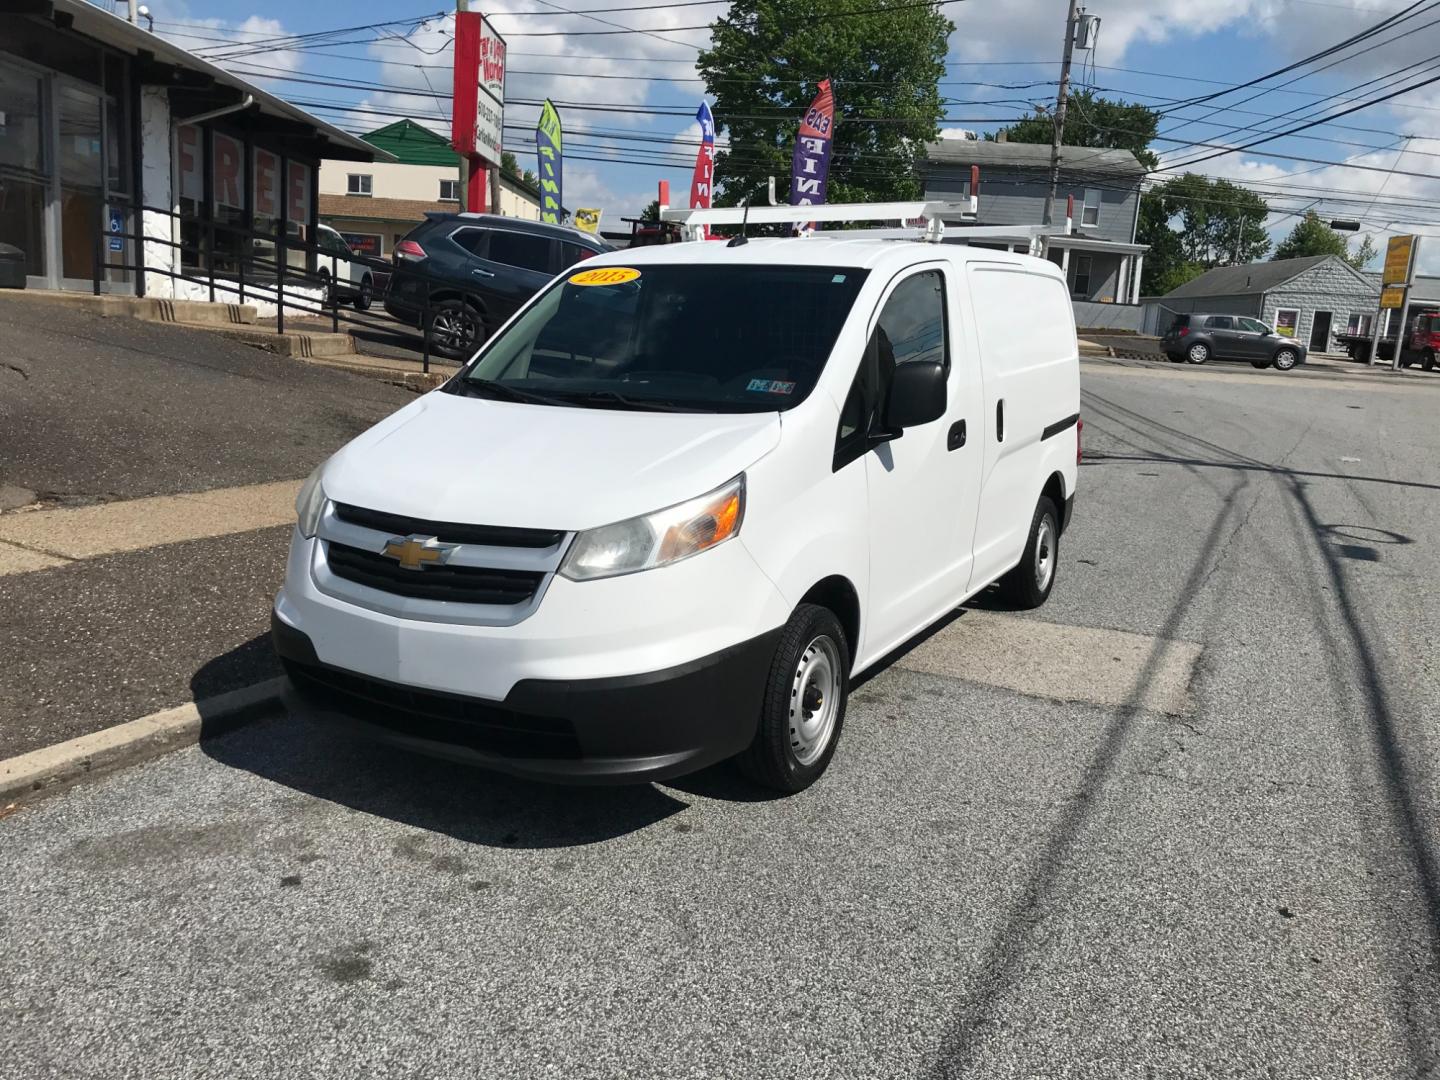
pixel 605 275
pixel 771 386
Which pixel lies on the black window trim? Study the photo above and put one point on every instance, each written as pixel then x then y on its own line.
pixel 862 442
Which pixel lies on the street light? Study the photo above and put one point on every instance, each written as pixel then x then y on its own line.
pixel 1345 226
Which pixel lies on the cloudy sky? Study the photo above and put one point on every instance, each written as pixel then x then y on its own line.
pixel 602 66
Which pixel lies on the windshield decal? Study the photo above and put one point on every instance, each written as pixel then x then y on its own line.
pixel 605 275
pixel 771 386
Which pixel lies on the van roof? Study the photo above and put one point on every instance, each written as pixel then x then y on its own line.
pixel 810 251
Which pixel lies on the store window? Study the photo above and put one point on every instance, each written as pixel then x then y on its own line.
pixel 23 168
pixel 227 178
pixel 189 158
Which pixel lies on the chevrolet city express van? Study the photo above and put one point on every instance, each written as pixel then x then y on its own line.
pixel 667 513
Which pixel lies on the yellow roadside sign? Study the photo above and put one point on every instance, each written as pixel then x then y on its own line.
pixel 1393 297
pixel 1397 260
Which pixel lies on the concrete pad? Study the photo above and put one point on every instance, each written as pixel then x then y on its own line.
pixel 1067 663
pixel 19 560
pixel 90 531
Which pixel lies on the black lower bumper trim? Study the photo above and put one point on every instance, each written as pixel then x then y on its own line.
pixel 630 728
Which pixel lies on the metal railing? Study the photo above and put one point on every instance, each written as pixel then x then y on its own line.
pixel 256 275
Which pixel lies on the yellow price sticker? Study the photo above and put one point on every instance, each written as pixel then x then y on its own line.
pixel 605 275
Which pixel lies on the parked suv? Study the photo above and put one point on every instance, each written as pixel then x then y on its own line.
pixel 1196 338
pixel 479 269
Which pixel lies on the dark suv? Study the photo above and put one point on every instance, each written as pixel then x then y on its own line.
pixel 1195 338
pixel 478 268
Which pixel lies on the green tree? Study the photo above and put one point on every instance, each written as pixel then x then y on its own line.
pixel 1194 224
pixel 510 164
pixel 651 212
pixel 765 62
pixel 1095 122
pixel 1311 236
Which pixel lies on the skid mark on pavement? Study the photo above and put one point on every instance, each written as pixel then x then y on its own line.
pixel 1067 663
pixel 44 538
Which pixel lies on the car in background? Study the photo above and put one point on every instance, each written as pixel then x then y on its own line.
pixel 1195 338
pixel 345 275
pixel 463 275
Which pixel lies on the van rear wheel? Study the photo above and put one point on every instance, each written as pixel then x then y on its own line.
pixel 804 705
pixel 1029 584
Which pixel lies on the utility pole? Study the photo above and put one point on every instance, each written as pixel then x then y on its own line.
pixel 461 6
pixel 1060 100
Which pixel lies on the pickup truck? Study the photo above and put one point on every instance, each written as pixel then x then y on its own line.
pixel 1422 343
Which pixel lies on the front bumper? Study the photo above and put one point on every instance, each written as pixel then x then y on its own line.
pixel 625 729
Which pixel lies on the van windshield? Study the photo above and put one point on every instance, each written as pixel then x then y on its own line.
pixel 687 338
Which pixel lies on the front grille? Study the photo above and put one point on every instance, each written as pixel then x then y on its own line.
pixel 449 532
pixel 460 584
pixel 437 717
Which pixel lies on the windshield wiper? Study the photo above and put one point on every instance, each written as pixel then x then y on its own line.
pixel 489 387
pixel 599 397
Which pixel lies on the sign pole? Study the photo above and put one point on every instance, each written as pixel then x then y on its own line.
pixel 1405 307
pixel 1397 274
pixel 462 6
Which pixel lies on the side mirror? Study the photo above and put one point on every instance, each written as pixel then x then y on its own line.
pixel 917 394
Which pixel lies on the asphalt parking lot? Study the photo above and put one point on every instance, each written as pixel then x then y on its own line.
pixel 1182 821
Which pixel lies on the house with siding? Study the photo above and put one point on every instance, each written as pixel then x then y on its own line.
pixel 1101 260
pixel 374 205
pixel 1309 299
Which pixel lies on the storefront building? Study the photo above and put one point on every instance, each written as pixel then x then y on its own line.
pixel 109 133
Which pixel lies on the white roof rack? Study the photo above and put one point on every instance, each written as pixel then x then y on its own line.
pixel 911 220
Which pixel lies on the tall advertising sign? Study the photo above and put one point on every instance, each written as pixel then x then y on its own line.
pixel 477 121
pixel 703 182
pixel 810 165
pixel 550 147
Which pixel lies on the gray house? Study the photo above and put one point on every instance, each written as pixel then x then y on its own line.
pixel 1100 257
pixel 1308 298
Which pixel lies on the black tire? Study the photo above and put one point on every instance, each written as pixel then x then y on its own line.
pixel 1197 353
pixel 772 759
pixel 1286 359
pixel 1026 586
pixel 1260 362
pixel 365 295
pixel 1405 361
pixel 1427 360
pixel 456 329
pixel 327 290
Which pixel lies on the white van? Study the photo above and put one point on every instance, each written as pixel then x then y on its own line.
pixel 681 499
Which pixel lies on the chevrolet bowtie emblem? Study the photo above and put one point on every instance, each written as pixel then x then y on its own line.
pixel 417 552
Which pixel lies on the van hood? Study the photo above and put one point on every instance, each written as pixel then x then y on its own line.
pixel 483 462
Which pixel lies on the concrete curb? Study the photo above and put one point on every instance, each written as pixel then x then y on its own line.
pixel 55 768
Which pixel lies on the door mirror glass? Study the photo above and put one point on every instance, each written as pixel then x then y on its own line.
pixel 917 394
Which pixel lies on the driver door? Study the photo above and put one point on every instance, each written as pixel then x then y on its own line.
pixel 923 486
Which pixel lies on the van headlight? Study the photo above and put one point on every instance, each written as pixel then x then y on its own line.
pixel 310 504
pixel 658 539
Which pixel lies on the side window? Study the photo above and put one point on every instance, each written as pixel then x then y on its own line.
pixel 911 327
pixel 520 250
pixel 472 240
pixel 1219 322
pixel 570 254
pixel 1252 326
pixel 912 323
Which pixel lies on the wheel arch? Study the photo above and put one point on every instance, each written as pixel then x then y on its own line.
pixel 1054 489
pixel 838 594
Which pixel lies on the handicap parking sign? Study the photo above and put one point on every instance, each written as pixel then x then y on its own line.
pixel 117 224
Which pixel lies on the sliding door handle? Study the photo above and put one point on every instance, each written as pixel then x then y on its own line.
pixel 1000 420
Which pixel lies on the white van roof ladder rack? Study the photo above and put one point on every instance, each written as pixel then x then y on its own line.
pixel 907 220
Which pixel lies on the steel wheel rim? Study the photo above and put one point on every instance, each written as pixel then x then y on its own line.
pixel 1044 553
pixel 814 699
pixel 1198 353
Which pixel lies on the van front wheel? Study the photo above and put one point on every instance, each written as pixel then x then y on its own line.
pixel 1029 584
pixel 804 705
